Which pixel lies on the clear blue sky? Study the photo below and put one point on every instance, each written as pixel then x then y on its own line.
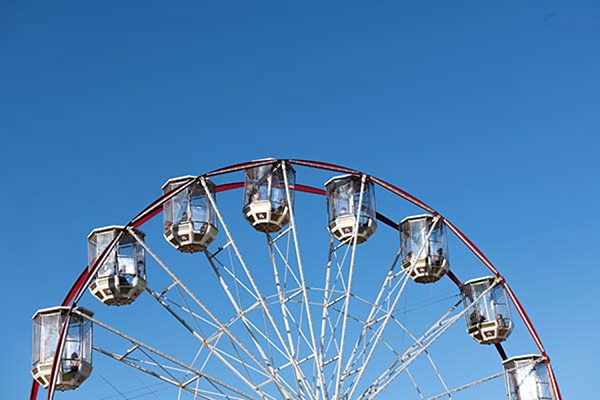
pixel 486 110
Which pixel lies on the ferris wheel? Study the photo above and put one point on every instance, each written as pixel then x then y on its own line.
pixel 281 302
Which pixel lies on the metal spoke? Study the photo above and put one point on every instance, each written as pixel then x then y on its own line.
pixel 395 352
pixel 221 326
pixel 148 349
pixel 414 382
pixel 468 385
pixel 389 313
pixel 302 383
pixel 302 280
pixel 285 312
pixel 248 324
pixel 339 380
pixel 146 370
pixel 417 348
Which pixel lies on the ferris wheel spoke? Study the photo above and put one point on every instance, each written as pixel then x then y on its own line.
pixel 246 379
pixel 339 278
pixel 234 319
pixel 417 348
pixel 152 354
pixel 375 308
pixel 236 303
pixel 414 383
pixel 288 270
pixel 469 385
pixel 392 350
pixel 372 343
pixel 219 390
pixel 237 359
pixel 186 307
pixel 165 368
pixel 334 347
pixel 280 235
pixel 327 327
pixel 412 379
pixel 320 378
pixel 300 362
pixel 229 268
pixel 427 355
pixel 222 355
pixel 305 390
pixel 168 304
pixel 332 329
pixel 140 368
pixel 295 291
pixel 286 313
pixel 195 360
pixel 407 358
pixel 339 378
pixel 214 338
pixel 247 367
pixel 250 326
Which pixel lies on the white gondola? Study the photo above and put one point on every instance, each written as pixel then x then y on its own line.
pixel 265 202
pixel 75 364
pixel 428 254
pixel 343 198
pixel 527 378
pixel 488 320
pixel 190 221
pixel 122 276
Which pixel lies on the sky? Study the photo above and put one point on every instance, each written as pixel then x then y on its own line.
pixel 488 112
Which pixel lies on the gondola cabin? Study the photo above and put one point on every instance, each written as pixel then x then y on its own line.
pixel 527 378
pixel 266 206
pixel 345 210
pixel 488 315
pixel 75 364
pixel 190 221
pixel 122 276
pixel 423 248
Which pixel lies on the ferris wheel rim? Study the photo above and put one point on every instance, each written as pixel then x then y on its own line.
pixel 85 278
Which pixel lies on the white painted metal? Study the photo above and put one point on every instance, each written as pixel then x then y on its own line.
pixel 388 315
pixel 255 288
pixel 415 350
pixel 223 328
pixel 303 283
pixel 339 380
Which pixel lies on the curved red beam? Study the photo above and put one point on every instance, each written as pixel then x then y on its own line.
pixel 155 207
